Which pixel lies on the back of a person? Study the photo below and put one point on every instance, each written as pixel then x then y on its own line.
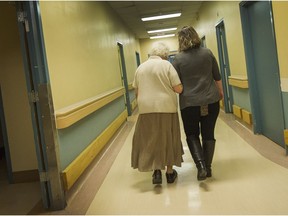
pixel 156 143
pixel 196 59
pixel 155 91
pixel 195 68
pixel 199 102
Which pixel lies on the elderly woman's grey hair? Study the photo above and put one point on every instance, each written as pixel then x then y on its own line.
pixel 160 49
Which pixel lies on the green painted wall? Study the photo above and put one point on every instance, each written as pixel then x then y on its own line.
pixel 241 98
pixel 285 107
pixel 77 137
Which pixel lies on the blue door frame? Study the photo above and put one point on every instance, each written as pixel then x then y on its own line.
pixel 224 66
pixel 254 99
pixel 124 78
pixel 255 78
pixel 137 59
pixel 38 86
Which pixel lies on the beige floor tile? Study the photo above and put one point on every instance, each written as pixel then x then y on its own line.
pixel 243 182
pixel 18 199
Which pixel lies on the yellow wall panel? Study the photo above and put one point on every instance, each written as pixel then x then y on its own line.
pixel 238 82
pixel 247 117
pixel 81 44
pixel 211 13
pixel 237 111
pixel 286 136
pixel 280 15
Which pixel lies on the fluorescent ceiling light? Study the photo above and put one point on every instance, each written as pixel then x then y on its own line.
pixel 162 36
pixel 161 17
pixel 162 30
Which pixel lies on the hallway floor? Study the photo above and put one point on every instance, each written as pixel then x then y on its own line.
pixel 244 182
pixel 249 178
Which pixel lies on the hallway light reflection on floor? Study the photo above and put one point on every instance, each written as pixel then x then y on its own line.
pixel 194 198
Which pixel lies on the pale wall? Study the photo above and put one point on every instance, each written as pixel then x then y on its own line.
pixel 14 93
pixel 212 13
pixel 280 14
pixel 81 45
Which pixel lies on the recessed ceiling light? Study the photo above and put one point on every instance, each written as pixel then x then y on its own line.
pixel 162 30
pixel 161 17
pixel 162 36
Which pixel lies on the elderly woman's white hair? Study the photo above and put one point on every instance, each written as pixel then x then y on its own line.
pixel 160 49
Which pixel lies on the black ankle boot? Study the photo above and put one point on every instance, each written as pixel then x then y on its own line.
pixel 157 177
pixel 209 172
pixel 197 155
pixel 202 173
pixel 208 151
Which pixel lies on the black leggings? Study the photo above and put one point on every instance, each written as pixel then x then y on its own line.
pixel 193 121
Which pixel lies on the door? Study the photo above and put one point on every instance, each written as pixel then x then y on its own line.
pixel 42 113
pixel 263 69
pixel 137 59
pixel 224 66
pixel 5 160
pixel 203 42
pixel 124 77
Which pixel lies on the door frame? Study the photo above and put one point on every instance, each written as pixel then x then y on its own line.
pixel 138 62
pixel 124 77
pixel 253 85
pixel 40 99
pixel 225 73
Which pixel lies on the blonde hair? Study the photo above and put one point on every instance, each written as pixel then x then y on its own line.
pixel 188 38
pixel 161 50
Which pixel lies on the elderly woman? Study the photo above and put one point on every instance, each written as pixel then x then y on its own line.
pixel 156 141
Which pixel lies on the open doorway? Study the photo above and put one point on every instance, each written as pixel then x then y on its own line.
pixel 18 155
pixel 27 105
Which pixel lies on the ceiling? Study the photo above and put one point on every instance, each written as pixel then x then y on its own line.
pixel 131 13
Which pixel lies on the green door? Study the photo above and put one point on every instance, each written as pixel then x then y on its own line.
pixel 263 70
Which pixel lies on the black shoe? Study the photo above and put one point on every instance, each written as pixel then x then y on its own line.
pixel 171 176
pixel 209 172
pixel 202 173
pixel 157 177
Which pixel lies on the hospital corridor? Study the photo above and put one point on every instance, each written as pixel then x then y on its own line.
pixel 69 108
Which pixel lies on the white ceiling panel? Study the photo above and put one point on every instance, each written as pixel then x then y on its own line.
pixel 132 11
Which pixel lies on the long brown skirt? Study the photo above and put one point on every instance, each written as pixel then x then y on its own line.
pixel 156 142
